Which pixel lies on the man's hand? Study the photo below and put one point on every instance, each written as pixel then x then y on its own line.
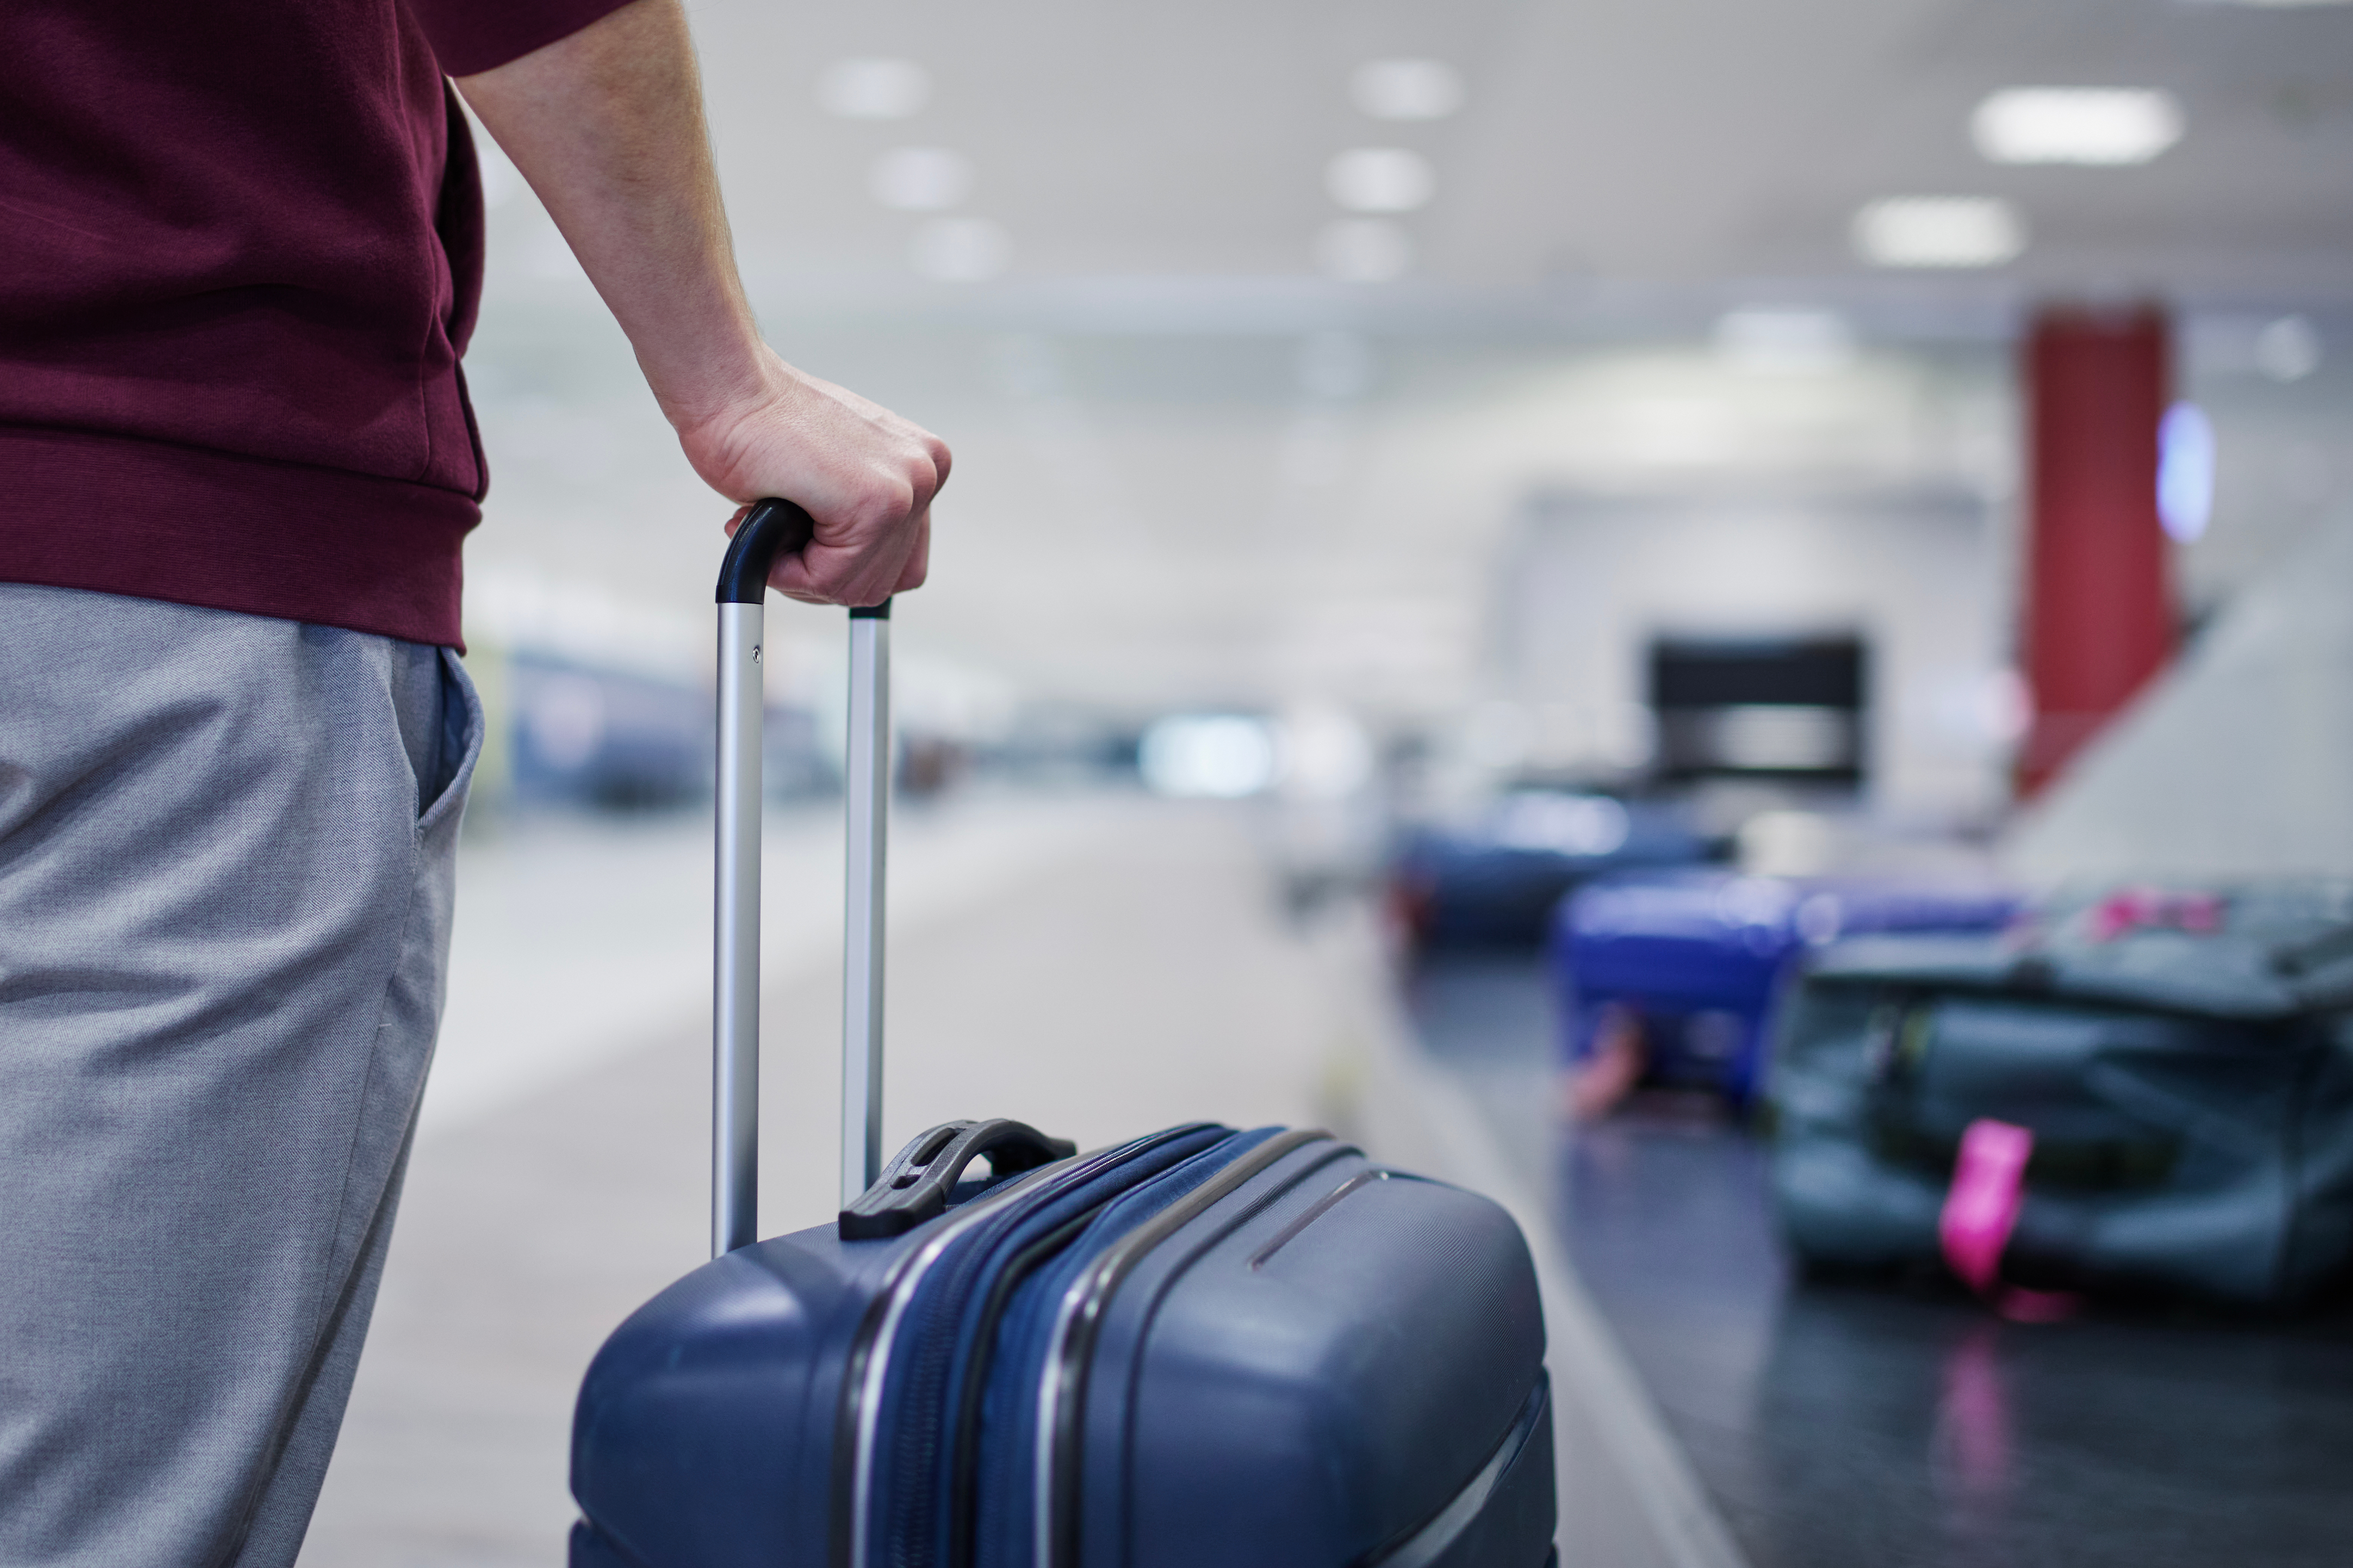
pixel 607 127
pixel 864 475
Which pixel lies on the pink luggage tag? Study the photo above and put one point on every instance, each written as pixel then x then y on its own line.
pixel 2136 909
pixel 1981 1210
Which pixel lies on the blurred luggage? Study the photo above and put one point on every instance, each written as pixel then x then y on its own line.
pixel 2168 1075
pixel 587 735
pixel 1492 882
pixel 1696 960
pixel 1198 1346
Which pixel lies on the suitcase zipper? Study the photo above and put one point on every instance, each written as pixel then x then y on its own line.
pixel 963 1500
pixel 857 1419
pixel 1061 1393
pixel 869 1363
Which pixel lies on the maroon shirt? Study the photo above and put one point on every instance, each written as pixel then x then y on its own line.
pixel 240 250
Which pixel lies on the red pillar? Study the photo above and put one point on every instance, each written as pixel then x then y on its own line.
pixel 2098 601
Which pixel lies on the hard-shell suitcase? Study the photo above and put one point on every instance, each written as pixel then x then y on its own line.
pixel 1199 1346
pixel 1491 881
pixel 1701 958
pixel 2172 1075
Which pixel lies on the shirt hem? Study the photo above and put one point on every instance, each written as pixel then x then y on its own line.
pixel 194 526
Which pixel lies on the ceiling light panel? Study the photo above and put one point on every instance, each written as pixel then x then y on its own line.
pixel 1939 231
pixel 2100 126
pixel 920 179
pixel 873 88
pixel 2288 349
pixel 1380 180
pixel 1406 90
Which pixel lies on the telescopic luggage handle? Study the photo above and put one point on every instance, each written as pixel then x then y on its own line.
pixel 771 530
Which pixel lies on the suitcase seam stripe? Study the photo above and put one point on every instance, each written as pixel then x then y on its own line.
pixel 1316 1211
pixel 860 1412
pixel 1061 1392
pixel 965 1455
pixel 1161 1289
pixel 870 1363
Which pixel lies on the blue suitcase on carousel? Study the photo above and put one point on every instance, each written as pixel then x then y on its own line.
pixel 1697 960
pixel 1492 881
pixel 1252 1349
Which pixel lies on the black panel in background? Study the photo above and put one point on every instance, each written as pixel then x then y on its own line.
pixel 1810 672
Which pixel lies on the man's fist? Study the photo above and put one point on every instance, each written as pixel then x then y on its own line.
pixel 864 475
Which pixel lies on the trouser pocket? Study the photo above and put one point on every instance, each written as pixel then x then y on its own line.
pixel 459 746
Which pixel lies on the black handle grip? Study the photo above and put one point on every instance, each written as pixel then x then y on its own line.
pixel 915 1185
pixel 774 529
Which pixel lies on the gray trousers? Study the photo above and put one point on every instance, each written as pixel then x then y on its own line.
pixel 226 854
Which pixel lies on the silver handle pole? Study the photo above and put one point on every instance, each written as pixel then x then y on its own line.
pixel 735 977
pixel 868 790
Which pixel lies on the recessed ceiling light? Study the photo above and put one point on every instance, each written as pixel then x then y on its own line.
pixel 1783 339
pixel 2287 348
pixel 960 250
pixel 920 179
pixel 1406 90
pixel 2282 348
pixel 1939 231
pixel 1380 180
pixel 1363 250
pixel 2098 125
pixel 873 88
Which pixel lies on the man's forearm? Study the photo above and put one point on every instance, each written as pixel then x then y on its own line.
pixel 607 126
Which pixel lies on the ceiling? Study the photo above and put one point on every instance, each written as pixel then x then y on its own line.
pixel 1612 140
pixel 1190 469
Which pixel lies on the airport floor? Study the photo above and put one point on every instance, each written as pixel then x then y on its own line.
pixel 1095 966
pixel 1098 965
pixel 1860 1427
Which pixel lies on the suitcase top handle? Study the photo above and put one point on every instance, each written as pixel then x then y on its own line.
pixel 916 1185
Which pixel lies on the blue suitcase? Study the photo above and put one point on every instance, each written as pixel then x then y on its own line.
pixel 1492 882
pixel 1701 958
pixel 1200 1346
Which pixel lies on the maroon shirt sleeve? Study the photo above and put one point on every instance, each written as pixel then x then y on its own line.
pixel 471 35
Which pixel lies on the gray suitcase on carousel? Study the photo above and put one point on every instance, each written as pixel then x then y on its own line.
pixel 2182 1062
pixel 1200 1346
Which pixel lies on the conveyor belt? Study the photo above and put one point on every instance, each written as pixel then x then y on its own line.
pixel 1839 1426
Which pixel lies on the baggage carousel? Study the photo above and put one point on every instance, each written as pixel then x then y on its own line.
pixel 1841 1423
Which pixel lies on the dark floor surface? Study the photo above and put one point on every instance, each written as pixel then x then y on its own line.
pixel 1853 1425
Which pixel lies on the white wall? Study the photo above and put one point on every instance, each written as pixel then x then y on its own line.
pixel 2239 762
pixel 1920 577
